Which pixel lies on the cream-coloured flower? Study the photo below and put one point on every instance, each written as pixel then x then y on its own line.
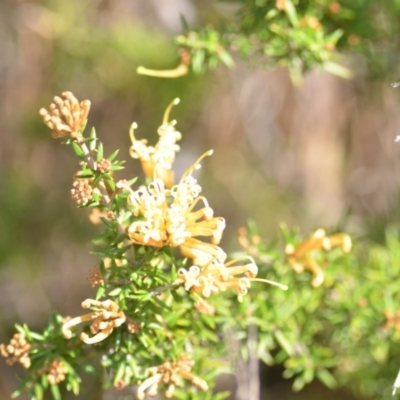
pixel 66 116
pixel 300 257
pixel 105 318
pixel 217 277
pixel 171 217
pixel 170 374
pixel 157 161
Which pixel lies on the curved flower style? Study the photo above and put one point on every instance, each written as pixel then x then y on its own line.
pixel 299 257
pixel 66 116
pixel 169 218
pixel 170 374
pixel 181 70
pixel 157 161
pixel 216 277
pixel 105 319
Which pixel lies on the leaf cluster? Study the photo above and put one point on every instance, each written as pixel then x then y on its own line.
pixel 298 34
pixel 343 333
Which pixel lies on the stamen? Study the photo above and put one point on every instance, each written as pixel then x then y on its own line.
pixel 196 165
pixel 280 285
pixel 235 260
pixel 132 128
pixel 195 201
pixel 168 111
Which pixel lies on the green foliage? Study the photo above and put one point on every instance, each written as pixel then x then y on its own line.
pixel 300 35
pixel 343 333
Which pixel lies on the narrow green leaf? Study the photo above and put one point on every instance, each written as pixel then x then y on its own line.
pixel 226 58
pixel 308 375
pixel 16 394
pixel 36 336
pixel 78 151
pixel 83 127
pixel 115 292
pixel 184 23
pixel 107 223
pixel 38 391
pixel 271 13
pixel 93 138
pixel 284 343
pixel 74 386
pixel 120 372
pixel 117 168
pixel 111 183
pixel 85 173
pixel 90 369
pixel 198 61
pixel 298 384
pixel 291 13
pixel 132 181
pixel 100 292
pixel 20 329
pixel 326 378
pixel 113 155
pixel 55 391
pixel 338 70
pixel 100 151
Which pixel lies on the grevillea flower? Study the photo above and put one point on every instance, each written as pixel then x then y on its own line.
pixel 170 374
pixel 66 116
pixel 105 318
pixel 300 257
pixel 170 217
pixel 217 277
pixel 157 161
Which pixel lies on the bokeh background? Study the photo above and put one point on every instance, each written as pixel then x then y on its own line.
pixel 322 154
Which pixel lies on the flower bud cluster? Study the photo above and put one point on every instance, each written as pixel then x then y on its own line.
pixel 95 277
pixel 17 351
pixel 133 327
pixel 66 116
pixel 55 373
pixel 104 166
pixel 82 191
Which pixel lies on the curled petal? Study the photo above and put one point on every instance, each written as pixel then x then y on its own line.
pixel 97 338
pixel 66 328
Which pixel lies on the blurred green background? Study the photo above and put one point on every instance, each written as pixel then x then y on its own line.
pixel 309 156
